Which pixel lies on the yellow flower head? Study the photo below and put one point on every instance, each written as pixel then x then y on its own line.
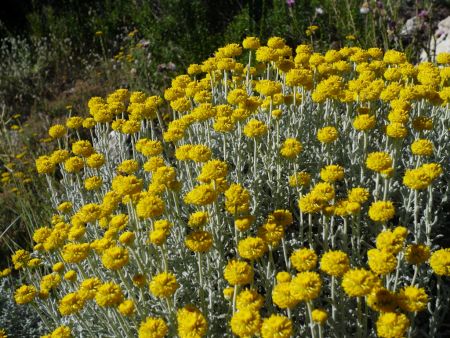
pixel 291 148
pixel 115 257
pixel 381 211
pixel 327 134
pixel 332 173
pixel 153 327
pixel 164 285
pixel 306 286
pixel 417 253
pixel 252 248
pixel 412 299
pixel 392 325
pixel 245 323
pixel 238 272
pixel 191 322
pixel 381 262
pixel 277 326
pixel 199 241
pixel 304 259
pixel 249 299
pixel 109 294
pixel 254 129
pixel 319 316
pixel 382 300
pixel 237 199
pixel 25 294
pixel 358 282
pixel 440 262
pixel 378 161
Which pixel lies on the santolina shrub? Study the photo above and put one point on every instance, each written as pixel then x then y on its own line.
pixel 293 194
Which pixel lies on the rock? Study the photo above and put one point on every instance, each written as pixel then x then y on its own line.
pixel 441 41
pixel 411 26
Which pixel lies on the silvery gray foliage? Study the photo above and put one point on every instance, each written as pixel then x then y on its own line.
pixel 17 321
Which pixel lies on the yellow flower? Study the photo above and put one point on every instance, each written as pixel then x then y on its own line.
pixel 25 294
pixel 382 300
pixel 153 328
pixel 128 167
pixel 164 285
pixel 417 253
pixel 198 219
pixel 250 300
pixel 304 259
pixel 199 241
pixel 271 233
pixel 268 88
pixel 396 130
pixel 417 179
pixel 319 316
pixel 381 211
pixel 237 199
pixel 299 179
pixel 306 286
pixel 440 262
pixel 327 134
pixel 88 288
pixel 378 161
pixel 75 252
pixel 45 165
pixel 245 323
pixel 266 54
pixel 358 282
pixel 20 259
pixel 252 248
pixel 213 170
pixel 394 57
pixel 65 207
pixel 392 325
pixel 422 147
pixel 60 332
pixel 243 223
pixel 251 42
pixel 71 304
pixel 254 129
pixel 291 148
pixel 191 322
pixel 282 295
pixel 412 299
pixel 57 131
pixel 59 156
pixel 381 262
pixel 238 272
pixel 71 276
pixel 388 242
pixel 332 173
pixel 203 194
pixel 109 294
pixel 148 147
pixel 115 257
pixel 82 148
pixel 126 308
pixel 73 164
pixel 150 206
pixel 277 326
pixel 364 122
pixel 200 153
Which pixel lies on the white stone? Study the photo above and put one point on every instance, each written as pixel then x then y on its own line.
pixel 441 41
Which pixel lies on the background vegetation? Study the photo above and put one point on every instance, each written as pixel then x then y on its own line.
pixel 56 54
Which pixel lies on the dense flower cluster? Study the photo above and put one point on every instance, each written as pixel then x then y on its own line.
pixel 264 199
